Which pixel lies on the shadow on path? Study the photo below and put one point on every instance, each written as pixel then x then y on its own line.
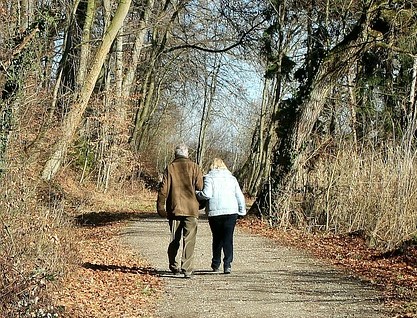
pixel 102 218
pixel 118 268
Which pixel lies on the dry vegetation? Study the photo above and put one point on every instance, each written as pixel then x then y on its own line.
pixel 56 257
pixel 371 192
pixel 35 245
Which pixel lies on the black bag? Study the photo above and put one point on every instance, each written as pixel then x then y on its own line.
pixel 202 204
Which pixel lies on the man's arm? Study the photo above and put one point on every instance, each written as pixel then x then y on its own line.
pixel 199 179
pixel 162 195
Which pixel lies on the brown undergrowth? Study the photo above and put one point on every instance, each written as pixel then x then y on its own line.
pixel 394 273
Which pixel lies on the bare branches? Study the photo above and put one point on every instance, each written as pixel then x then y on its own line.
pixel 240 41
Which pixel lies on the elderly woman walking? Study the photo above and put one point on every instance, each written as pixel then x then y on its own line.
pixel 225 203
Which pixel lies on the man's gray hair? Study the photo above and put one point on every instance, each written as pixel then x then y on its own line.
pixel 181 151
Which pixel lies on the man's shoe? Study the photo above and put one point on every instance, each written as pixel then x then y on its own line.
pixel 175 271
pixel 227 270
pixel 188 275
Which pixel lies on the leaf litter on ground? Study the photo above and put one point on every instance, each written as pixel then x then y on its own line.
pixel 108 280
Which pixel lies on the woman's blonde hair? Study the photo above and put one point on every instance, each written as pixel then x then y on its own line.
pixel 217 163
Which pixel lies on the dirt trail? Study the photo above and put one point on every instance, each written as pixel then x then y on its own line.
pixel 267 280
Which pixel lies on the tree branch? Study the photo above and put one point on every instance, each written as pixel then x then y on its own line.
pixel 209 50
pixel 20 47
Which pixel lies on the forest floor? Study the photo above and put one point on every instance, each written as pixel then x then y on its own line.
pixel 116 278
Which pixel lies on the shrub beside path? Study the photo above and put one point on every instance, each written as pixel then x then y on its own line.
pixel 267 280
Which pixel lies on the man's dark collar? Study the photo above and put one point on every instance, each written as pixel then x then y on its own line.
pixel 180 157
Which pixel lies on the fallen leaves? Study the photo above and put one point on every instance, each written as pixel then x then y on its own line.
pixel 108 280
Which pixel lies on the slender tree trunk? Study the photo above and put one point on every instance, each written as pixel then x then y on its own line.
pixel 74 117
pixel 412 113
pixel 209 92
pixel 137 50
pixel 258 165
pixel 147 93
pixel 267 137
pixel 85 42
pixel 253 165
pixel 26 13
pixel 353 100
pixel 106 130
pixel 147 98
pixel 119 70
pixel 146 134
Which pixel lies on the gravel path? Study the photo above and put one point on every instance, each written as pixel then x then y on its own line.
pixel 267 280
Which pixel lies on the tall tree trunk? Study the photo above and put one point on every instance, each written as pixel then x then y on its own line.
pixel 258 163
pixel 253 168
pixel 144 108
pixel 256 168
pixel 411 113
pixel 137 50
pixel 119 70
pixel 85 42
pixel 26 13
pixel 147 101
pixel 209 92
pixel 74 117
pixel 351 78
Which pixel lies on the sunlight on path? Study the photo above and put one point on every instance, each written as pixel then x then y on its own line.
pixel 266 281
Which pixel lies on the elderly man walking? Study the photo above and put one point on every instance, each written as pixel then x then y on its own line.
pixel 178 203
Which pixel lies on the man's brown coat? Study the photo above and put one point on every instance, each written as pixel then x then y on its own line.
pixel 176 196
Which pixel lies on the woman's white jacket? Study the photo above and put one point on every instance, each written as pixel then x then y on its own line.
pixel 223 193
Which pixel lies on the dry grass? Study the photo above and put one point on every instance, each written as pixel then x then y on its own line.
pixel 367 191
pixel 38 236
pixel 34 249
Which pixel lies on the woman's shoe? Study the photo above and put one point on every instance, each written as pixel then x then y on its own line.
pixel 215 269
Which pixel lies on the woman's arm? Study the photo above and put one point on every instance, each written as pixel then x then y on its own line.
pixel 240 199
pixel 207 192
